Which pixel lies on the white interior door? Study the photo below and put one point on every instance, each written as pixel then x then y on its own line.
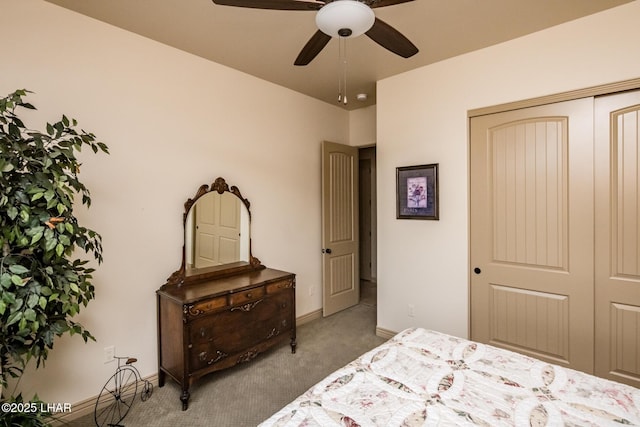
pixel 340 265
pixel 617 236
pixel 532 232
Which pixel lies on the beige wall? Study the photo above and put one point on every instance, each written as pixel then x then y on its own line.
pixel 172 121
pixel 362 127
pixel 422 118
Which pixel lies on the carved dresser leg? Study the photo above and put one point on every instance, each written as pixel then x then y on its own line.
pixel 184 398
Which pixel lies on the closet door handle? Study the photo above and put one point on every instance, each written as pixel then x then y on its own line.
pixel 326 251
pixel 477 270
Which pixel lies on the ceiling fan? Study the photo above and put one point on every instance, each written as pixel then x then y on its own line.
pixel 339 18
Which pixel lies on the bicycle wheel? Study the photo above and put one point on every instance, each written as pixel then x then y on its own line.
pixel 147 390
pixel 116 397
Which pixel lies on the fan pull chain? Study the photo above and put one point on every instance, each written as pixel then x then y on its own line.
pixel 339 65
pixel 344 98
pixel 342 74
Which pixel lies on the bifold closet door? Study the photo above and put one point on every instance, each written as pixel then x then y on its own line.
pixel 617 249
pixel 532 284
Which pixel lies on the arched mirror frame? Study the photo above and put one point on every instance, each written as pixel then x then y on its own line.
pixel 180 276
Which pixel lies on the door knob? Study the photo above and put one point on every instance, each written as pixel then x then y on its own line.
pixel 477 270
pixel 326 251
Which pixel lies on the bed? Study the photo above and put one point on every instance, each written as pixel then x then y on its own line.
pixel 426 378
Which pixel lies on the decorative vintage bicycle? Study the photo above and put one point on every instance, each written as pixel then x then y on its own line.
pixel 117 395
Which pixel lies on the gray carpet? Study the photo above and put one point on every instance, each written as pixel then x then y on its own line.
pixel 368 293
pixel 248 394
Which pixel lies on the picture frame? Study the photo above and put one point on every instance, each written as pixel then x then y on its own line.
pixel 417 192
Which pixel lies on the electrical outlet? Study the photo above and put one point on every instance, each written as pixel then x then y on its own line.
pixel 412 310
pixel 109 354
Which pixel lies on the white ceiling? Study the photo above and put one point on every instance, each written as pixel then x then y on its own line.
pixel 264 43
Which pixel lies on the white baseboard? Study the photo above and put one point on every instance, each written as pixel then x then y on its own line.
pixel 306 318
pixel 385 333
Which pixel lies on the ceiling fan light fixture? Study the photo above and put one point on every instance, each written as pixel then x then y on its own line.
pixel 345 18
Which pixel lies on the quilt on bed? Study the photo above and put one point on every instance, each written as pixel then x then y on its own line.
pixel 425 378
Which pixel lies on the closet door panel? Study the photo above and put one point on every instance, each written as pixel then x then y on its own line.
pixel 532 231
pixel 617 214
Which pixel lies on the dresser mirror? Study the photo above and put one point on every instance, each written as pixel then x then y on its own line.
pixel 217 235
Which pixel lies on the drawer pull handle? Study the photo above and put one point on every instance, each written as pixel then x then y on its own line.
pixel 274 332
pixel 249 295
pixel 219 355
pixel 247 307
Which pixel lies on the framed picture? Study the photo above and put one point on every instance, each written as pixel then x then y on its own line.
pixel 417 192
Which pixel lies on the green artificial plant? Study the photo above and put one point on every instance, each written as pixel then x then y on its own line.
pixel 42 283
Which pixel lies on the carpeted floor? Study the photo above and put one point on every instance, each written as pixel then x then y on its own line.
pixel 368 293
pixel 248 394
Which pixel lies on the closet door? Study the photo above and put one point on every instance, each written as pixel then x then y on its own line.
pixel 617 249
pixel 531 202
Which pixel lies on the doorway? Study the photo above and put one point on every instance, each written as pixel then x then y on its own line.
pixel 348 226
pixel 367 220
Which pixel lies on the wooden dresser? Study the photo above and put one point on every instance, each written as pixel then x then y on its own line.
pixel 216 324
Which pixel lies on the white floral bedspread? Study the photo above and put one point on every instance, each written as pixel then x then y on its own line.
pixel 425 378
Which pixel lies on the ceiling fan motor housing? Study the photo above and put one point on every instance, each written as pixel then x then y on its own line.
pixel 345 18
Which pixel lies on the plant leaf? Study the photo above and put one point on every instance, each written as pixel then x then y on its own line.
pixel 17 280
pixel 30 315
pixel 18 269
pixel 32 301
pixel 14 318
pixel 36 237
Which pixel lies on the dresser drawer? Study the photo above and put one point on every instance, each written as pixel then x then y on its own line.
pixel 202 330
pixel 204 355
pixel 233 330
pixel 207 306
pixel 279 286
pixel 245 296
pixel 283 303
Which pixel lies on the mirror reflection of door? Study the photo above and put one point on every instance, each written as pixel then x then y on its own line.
pixel 217 230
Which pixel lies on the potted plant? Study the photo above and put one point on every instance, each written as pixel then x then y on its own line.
pixel 42 284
